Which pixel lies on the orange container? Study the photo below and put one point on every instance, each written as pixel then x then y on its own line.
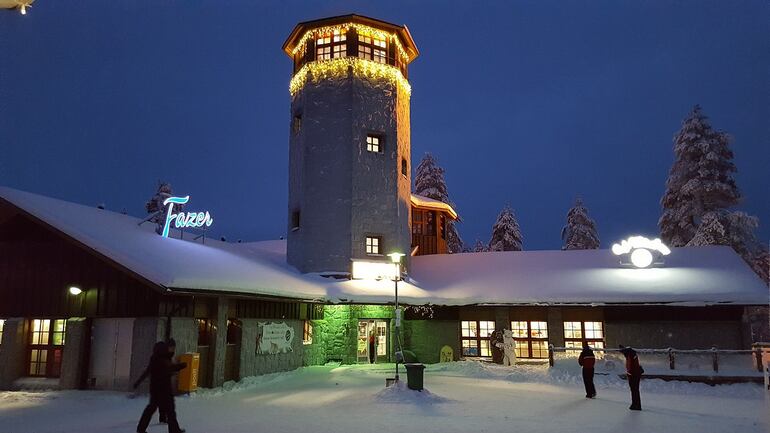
pixel 188 378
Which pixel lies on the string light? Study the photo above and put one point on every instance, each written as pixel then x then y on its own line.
pixel 359 28
pixel 336 68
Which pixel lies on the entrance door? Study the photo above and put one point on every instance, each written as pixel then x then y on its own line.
pixel 372 331
pixel 110 365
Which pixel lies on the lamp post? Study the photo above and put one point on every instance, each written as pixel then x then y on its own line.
pixel 396 259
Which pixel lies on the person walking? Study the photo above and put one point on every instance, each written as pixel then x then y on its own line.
pixel 171 345
pixel 161 369
pixel 634 372
pixel 587 360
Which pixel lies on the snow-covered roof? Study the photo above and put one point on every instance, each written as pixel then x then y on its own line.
pixel 691 276
pixel 429 203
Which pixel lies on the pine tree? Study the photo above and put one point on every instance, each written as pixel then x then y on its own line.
pixel 478 247
pixel 506 234
pixel 700 180
pixel 155 206
pixel 580 231
pixel 429 182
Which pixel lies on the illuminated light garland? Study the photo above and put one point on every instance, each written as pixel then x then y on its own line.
pixel 360 29
pixel 336 68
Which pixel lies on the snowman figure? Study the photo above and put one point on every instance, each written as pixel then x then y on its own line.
pixel 509 355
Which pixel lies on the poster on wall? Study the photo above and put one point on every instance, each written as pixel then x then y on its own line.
pixel 274 338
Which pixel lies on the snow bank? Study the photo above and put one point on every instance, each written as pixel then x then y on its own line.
pixel 401 394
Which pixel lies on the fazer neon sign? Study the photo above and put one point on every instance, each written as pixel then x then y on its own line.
pixel 184 220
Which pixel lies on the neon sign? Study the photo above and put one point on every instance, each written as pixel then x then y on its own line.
pixel 184 220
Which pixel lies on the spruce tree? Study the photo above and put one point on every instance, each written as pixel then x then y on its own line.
pixel 429 182
pixel 580 231
pixel 478 247
pixel 506 234
pixel 700 180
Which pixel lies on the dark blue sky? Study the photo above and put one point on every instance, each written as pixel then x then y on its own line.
pixel 524 103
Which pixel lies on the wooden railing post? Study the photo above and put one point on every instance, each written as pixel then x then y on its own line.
pixel 715 359
pixel 550 355
pixel 671 359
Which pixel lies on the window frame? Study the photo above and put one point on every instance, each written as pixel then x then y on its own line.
pixel 331 45
pixel 467 340
pixel 370 143
pixel 369 247
pixel 530 339
pixel 43 349
pixel 374 49
pixel 577 342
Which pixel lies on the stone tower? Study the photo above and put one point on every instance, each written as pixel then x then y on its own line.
pixel 349 146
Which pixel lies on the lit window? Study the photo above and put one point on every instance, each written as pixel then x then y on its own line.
pixel 379 56
pixel 339 35
pixel 475 337
pixel 296 124
pixel 323 39
pixel 531 338
pixel 576 332
pixel 379 43
pixel 324 53
pixel 373 143
pixel 365 39
pixel 2 325
pixel 46 341
pixel 373 244
pixel 404 167
pixel 307 333
pixel 339 51
pixel 365 52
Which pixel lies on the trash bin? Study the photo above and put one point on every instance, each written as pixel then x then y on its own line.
pixel 414 375
pixel 188 377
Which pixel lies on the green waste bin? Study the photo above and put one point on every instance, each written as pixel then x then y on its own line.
pixel 414 375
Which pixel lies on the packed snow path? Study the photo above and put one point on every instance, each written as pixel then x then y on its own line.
pixel 463 397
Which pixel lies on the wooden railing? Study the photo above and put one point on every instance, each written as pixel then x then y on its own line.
pixel 671 352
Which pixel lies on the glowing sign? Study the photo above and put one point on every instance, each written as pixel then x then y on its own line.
pixel 182 219
pixel 363 270
pixel 640 251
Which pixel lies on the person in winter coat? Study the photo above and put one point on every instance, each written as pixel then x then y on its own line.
pixel 634 372
pixel 161 369
pixel 372 347
pixel 587 361
pixel 171 345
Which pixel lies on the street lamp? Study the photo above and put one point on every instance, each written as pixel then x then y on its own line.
pixel 75 291
pixel 396 259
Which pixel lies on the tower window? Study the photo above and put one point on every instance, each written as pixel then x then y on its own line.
pixel 373 245
pixel 404 168
pixel 373 143
pixel 296 124
pixel 365 52
pixel 373 48
pixel 331 45
pixel 379 56
pixel 295 220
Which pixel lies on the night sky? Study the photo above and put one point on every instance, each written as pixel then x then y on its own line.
pixel 523 103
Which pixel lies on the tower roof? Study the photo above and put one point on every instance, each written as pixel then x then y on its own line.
pixel 405 38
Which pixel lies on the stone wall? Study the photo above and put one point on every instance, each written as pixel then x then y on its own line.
pixel 253 364
pixel 335 337
pixel 12 352
pixel 426 338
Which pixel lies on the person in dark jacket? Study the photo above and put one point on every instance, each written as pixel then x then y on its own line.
pixel 634 372
pixel 161 369
pixel 587 360
pixel 372 347
pixel 171 345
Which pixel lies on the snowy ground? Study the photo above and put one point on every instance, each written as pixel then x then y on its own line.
pixel 462 397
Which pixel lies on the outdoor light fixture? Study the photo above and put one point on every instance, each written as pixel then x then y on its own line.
pixel 640 252
pixel 75 291
pixel 22 5
pixel 396 257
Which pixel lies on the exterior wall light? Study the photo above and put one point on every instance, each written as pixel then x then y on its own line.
pixel 640 252
pixel 75 290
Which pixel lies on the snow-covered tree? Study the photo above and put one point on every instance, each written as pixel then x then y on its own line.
pixel 478 247
pixel 580 231
pixel 429 182
pixel 506 234
pixel 700 180
pixel 155 207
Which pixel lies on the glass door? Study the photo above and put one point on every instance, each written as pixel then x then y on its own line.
pixel 381 331
pixel 362 348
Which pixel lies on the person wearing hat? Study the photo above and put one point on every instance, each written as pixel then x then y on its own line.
pixel 587 361
pixel 161 369
pixel 634 373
